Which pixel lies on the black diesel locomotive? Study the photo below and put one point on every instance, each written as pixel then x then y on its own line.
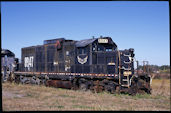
pixel 94 64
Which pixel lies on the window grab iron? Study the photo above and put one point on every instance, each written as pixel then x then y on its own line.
pixel 127 62
pixel 126 68
pixel 127 55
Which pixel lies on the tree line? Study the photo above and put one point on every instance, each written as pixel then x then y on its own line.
pixel 155 68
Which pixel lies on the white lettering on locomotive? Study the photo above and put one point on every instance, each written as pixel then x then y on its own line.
pixel 28 61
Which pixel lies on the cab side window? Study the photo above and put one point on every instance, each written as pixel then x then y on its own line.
pixel 82 50
pixel 108 49
pixel 100 48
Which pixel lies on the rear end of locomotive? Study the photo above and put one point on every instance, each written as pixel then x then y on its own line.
pixel 9 64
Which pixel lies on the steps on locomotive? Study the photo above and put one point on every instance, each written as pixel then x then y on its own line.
pixel 125 81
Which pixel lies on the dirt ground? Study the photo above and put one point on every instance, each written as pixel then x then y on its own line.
pixel 18 97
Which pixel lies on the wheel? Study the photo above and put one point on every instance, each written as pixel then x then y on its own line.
pixel 117 90
pixel 24 80
pixel 110 87
pixel 83 86
pixel 74 84
pixel 17 79
pixel 38 81
pixel 107 88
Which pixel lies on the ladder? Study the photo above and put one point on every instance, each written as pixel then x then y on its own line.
pixel 125 81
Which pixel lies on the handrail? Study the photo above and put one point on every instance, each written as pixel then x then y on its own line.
pixel 119 67
pixel 127 62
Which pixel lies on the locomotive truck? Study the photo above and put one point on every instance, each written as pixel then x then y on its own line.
pixel 94 64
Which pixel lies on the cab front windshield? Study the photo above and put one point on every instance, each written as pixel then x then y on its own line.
pixel 105 48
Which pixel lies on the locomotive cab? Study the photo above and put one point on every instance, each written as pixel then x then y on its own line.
pixel 93 55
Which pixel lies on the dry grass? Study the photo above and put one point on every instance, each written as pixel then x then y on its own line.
pixel 17 97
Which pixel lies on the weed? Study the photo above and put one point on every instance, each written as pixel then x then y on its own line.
pixel 143 96
pixel 66 96
pixel 123 109
pixel 29 95
pixel 56 106
pixel 60 89
pixel 158 96
pixel 83 107
pixel 60 106
pixel 73 101
pixel 117 95
pixel 16 97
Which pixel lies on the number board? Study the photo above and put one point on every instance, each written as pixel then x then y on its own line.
pixel 102 40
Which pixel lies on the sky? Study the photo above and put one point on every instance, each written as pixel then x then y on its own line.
pixel 142 25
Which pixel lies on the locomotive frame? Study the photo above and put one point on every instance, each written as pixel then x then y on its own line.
pixel 94 64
